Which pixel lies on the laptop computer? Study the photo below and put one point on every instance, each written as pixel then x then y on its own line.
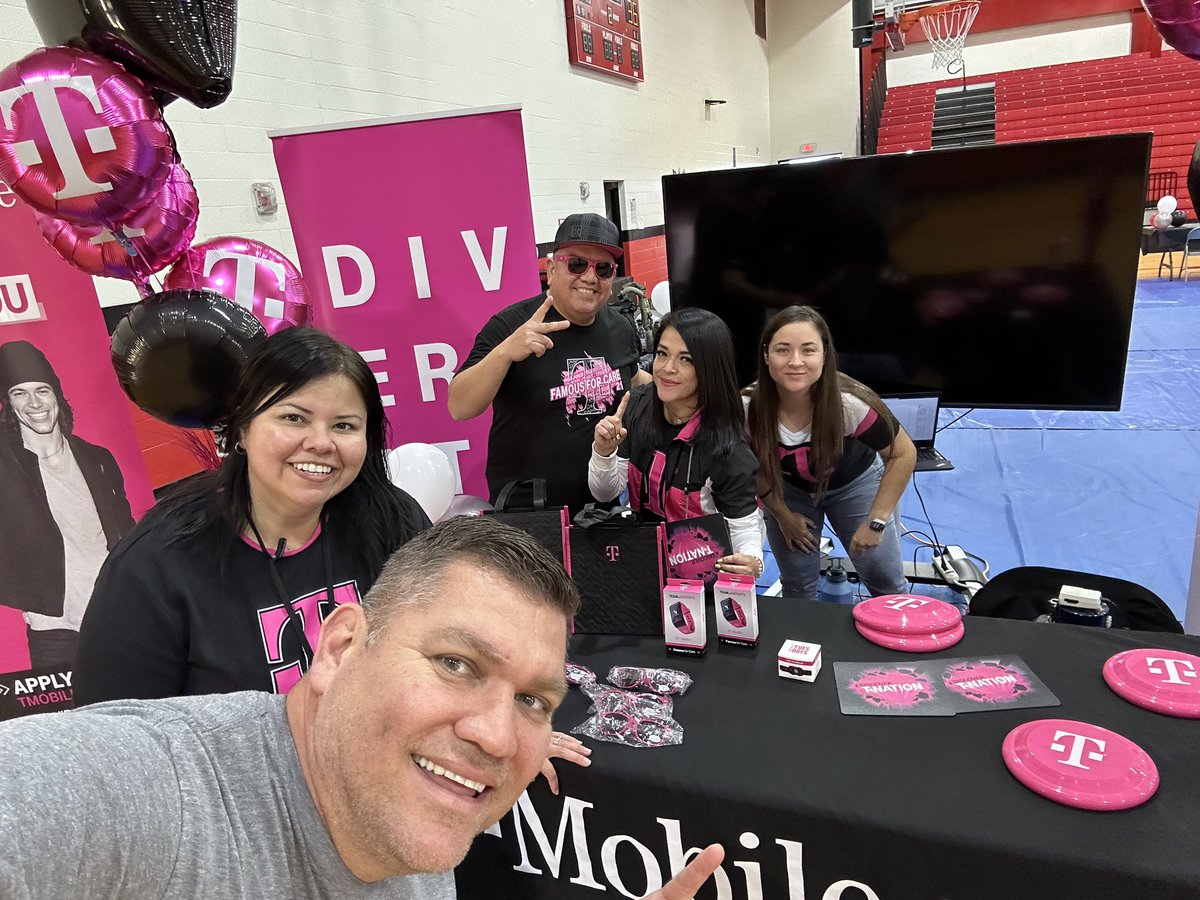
pixel 918 413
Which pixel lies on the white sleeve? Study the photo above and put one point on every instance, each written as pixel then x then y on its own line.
pixel 745 533
pixel 607 475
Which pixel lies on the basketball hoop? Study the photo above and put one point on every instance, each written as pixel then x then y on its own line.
pixel 946 30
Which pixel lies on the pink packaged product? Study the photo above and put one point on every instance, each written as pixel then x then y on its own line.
pixel 684 626
pixel 735 605
pixel 799 660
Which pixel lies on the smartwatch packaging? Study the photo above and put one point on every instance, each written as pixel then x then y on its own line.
pixel 684 625
pixel 799 660
pixel 735 603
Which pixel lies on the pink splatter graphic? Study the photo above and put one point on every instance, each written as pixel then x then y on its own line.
pixel 899 688
pixel 692 554
pixel 986 682
pixel 589 386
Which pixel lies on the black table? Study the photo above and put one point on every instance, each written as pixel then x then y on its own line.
pixel 1167 241
pixel 804 798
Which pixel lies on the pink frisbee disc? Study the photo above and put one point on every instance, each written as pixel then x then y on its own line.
pixel 907 614
pixel 1081 765
pixel 913 643
pixel 1163 681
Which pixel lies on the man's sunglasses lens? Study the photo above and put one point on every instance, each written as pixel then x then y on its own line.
pixel 577 265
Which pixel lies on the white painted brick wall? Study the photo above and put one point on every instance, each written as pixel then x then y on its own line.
pixel 307 62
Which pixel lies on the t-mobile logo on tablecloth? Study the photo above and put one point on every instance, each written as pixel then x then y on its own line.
pixel 612 551
pixel 1174 668
pixel 17 301
pixel 1079 744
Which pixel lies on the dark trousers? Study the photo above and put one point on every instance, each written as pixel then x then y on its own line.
pixel 52 648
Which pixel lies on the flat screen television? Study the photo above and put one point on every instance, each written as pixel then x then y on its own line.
pixel 1001 276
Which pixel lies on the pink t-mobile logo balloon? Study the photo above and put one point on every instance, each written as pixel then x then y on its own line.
pixel 1079 744
pixel 76 182
pixel 244 279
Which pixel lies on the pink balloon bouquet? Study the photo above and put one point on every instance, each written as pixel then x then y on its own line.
pixel 80 138
pixel 249 273
pixel 157 235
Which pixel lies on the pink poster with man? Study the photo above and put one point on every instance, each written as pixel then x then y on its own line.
pixel 411 234
pixel 72 479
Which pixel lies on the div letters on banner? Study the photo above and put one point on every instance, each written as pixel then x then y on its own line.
pixel 72 478
pixel 411 234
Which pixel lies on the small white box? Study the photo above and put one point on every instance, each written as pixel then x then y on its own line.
pixel 735 605
pixel 684 626
pixel 799 660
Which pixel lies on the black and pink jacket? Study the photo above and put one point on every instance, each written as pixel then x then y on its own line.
pixel 867 434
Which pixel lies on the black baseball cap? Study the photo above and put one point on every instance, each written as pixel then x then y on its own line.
pixel 591 229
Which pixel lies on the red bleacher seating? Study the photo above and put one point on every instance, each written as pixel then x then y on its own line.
pixel 1138 92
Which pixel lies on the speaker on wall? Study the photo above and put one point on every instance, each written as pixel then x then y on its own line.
pixel 862 25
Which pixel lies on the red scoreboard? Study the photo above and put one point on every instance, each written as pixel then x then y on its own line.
pixel 606 36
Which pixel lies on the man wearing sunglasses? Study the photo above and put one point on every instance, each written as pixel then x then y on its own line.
pixel 552 366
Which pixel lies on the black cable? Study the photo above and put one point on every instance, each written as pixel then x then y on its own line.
pixel 952 421
pixel 937 545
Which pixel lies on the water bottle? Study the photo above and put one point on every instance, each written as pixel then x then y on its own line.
pixel 835 587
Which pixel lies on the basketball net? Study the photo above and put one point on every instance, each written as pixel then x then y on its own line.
pixel 946 30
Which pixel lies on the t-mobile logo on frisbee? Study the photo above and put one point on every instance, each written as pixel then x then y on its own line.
pixel 1079 744
pixel 1174 668
pixel 906 603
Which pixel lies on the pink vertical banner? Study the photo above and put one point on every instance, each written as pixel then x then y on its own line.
pixel 411 234
pixel 56 521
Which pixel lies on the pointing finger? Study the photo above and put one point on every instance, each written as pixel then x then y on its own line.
pixel 620 413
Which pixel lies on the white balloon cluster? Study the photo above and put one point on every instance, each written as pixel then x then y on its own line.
pixel 1166 205
pixel 424 472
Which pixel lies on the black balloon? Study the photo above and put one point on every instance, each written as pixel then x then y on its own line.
pixel 1193 180
pixel 178 355
pixel 181 47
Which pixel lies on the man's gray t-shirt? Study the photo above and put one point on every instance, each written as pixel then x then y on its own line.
pixel 182 798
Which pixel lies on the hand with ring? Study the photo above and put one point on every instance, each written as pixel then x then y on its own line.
pixel 564 746
pixel 610 432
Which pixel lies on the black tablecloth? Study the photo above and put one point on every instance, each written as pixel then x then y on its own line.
pixel 1173 238
pixel 803 797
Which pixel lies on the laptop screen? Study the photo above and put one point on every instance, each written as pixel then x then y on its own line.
pixel 918 413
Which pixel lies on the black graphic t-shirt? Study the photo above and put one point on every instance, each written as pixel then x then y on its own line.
pixel 203 616
pixel 546 410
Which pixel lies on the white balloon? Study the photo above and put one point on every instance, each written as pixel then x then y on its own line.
pixel 660 298
pixel 465 505
pixel 424 472
pixel 1167 204
pixel 1162 221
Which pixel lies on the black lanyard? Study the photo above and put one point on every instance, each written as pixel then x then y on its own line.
pixel 306 650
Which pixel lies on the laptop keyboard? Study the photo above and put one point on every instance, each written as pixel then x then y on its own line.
pixel 928 454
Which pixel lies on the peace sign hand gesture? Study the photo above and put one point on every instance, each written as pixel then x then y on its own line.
pixel 533 337
pixel 610 432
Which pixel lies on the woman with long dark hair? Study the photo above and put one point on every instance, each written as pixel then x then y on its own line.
pixel 686 453
pixel 826 447
pixel 224 584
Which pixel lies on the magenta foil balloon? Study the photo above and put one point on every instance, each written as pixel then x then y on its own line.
pixel 80 138
pixel 1178 21
pixel 157 235
pixel 249 273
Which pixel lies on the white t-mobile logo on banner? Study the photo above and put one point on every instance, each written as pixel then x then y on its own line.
pixel 1079 744
pixel 905 603
pixel 17 302
pixel 76 182
pixel 1174 668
